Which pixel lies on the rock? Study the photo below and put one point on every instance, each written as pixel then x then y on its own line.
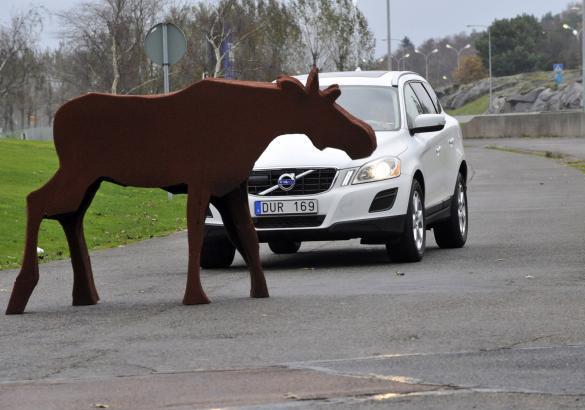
pixel 571 96
pixel 467 95
pixel 529 92
pixel 530 97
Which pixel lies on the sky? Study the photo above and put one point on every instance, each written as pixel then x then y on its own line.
pixel 417 19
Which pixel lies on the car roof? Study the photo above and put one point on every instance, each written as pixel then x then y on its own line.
pixel 379 78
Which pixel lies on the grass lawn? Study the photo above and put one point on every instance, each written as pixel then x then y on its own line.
pixel 475 107
pixel 117 215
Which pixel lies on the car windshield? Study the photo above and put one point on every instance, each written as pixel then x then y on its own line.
pixel 378 106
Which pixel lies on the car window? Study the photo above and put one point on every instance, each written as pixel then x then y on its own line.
pixel 424 98
pixel 413 105
pixel 378 106
pixel 433 97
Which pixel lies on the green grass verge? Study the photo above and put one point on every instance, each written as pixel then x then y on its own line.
pixel 578 164
pixel 475 107
pixel 117 215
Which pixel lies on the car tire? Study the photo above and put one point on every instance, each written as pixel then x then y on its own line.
pixel 217 253
pixel 284 247
pixel 410 246
pixel 452 233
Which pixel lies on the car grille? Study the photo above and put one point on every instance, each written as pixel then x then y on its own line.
pixel 314 183
pixel 289 221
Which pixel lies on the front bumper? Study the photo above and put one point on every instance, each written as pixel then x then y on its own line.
pixel 376 230
pixel 345 212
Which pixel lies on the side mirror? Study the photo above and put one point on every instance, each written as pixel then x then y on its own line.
pixel 428 123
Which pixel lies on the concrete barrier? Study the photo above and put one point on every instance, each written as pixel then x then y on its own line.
pixel 546 124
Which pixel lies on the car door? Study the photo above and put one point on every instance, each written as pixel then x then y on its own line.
pixel 451 150
pixel 431 143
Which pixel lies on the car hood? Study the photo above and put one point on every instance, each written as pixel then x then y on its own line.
pixel 297 151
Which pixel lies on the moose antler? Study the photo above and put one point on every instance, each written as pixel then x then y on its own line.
pixel 312 86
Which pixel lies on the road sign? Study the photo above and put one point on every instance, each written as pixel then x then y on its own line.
pixel 157 40
pixel 558 70
pixel 164 45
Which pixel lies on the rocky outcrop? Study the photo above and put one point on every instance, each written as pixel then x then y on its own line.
pixel 520 93
pixel 566 97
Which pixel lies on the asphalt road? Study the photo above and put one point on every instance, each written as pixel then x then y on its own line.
pixel 497 324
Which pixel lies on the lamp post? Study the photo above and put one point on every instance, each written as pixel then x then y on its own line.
pixel 489 31
pixel 389 36
pixel 579 35
pixel 458 53
pixel 389 65
pixel 426 56
pixel 404 57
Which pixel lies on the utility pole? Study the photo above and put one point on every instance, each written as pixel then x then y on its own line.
pixel 583 55
pixel 389 37
pixel 490 67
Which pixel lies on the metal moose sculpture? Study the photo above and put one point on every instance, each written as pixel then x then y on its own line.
pixel 202 140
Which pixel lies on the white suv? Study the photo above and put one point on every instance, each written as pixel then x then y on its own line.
pixel 414 181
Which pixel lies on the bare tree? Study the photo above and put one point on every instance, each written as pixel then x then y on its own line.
pixel 335 32
pixel 111 31
pixel 313 17
pixel 220 27
pixel 18 63
pixel 353 40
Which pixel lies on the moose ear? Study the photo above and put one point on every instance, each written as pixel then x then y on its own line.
pixel 313 81
pixel 332 93
pixel 290 85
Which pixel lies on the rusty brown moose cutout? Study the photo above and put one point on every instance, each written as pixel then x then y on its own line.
pixel 202 140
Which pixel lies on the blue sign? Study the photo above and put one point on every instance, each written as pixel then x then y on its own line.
pixel 558 70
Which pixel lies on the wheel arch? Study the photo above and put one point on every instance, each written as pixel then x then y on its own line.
pixel 421 180
pixel 463 170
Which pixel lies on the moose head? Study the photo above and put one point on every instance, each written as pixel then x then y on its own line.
pixel 335 127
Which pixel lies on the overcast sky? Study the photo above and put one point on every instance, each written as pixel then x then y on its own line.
pixel 417 19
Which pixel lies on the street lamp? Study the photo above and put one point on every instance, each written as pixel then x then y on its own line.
pixel 401 59
pixel 458 53
pixel 426 56
pixel 576 33
pixel 389 36
pixel 489 31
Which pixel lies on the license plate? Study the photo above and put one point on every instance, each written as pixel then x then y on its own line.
pixel 305 206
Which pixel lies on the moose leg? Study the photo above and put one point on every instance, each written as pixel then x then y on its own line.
pixel 63 194
pixel 84 291
pixel 236 203
pixel 28 277
pixel 197 202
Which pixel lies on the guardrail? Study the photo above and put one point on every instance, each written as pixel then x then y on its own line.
pixel 33 134
pixel 532 125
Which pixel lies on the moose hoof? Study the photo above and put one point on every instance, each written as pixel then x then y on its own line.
pixel 15 307
pixel 19 297
pixel 258 293
pixel 85 300
pixel 200 299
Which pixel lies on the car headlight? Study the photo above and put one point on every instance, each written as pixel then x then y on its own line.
pixel 378 170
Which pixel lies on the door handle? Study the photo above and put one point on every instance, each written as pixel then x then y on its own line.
pixel 438 149
pixel 451 141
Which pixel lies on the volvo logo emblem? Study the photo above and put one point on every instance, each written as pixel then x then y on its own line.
pixel 286 182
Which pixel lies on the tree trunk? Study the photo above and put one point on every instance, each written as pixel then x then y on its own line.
pixel 115 67
pixel 218 61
